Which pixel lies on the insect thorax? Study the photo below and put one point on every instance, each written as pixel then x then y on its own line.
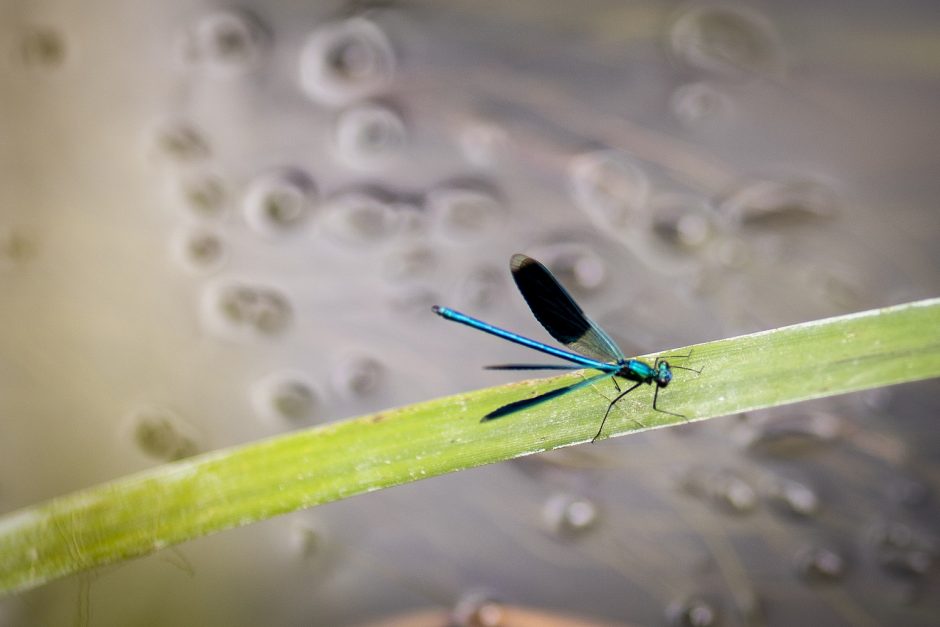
pixel 636 370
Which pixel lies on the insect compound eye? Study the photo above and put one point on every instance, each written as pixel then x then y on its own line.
pixel 664 374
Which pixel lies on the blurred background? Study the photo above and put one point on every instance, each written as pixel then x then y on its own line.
pixel 223 221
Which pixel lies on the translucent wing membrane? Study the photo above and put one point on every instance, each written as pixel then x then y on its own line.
pixel 554 308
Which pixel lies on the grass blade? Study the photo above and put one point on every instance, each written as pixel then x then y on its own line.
pixel 139 514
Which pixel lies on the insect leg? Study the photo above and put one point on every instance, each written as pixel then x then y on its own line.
pixel 611 406
pixel 671 413
pixel 662 358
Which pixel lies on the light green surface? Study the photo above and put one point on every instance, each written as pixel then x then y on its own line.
pixel 139 514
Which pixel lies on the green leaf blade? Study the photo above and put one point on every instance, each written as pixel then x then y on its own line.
pixel 169 504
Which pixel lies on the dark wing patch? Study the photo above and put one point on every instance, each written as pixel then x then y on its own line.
pixel 526 403
pixel 556 310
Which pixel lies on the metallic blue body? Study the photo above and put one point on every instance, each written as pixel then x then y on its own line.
pixel 581 360
pixel 636 370
pixel 632 369
pixel 564 320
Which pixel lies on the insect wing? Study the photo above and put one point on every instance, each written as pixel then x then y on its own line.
pixel 556 310
pixel 526 403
